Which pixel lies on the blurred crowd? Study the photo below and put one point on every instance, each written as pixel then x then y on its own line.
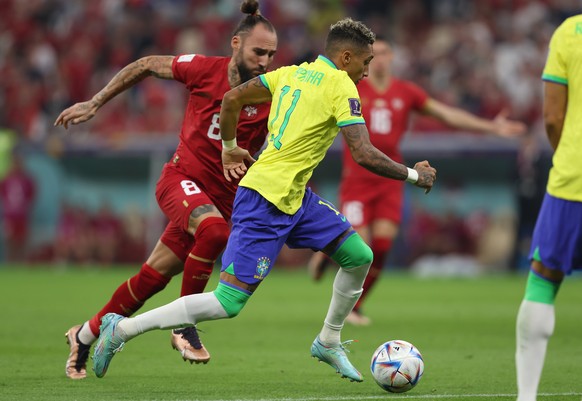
pixel 481 55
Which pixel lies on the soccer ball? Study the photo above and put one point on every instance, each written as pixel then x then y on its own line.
pixel 397 366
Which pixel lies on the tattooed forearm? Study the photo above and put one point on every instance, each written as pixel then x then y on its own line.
pixel 378 163
pixel 158 66
pixel 366 155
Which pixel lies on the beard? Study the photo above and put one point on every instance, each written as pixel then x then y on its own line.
pixel 245 72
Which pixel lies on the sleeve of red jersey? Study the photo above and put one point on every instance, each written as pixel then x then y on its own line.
pixel 185 68
pixel 417 95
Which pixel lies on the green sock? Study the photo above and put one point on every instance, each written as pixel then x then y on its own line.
pixel 540 290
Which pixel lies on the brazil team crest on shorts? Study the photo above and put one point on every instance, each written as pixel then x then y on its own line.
pixel 263 264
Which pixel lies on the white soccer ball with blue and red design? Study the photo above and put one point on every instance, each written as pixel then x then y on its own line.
pixel 397 366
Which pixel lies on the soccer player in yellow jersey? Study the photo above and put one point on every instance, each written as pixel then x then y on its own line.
pixel 311 103
pixel 556 248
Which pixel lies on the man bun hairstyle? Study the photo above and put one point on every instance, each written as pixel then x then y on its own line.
pixel 253 18
pixel 250 7
pixel 348 32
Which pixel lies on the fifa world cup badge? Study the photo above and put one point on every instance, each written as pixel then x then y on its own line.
pixel 355 107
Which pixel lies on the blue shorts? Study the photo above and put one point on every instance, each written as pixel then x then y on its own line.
pixel 259 231
pixel 557 237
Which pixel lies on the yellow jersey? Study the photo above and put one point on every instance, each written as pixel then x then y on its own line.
pixel 311 102
pixel 564 66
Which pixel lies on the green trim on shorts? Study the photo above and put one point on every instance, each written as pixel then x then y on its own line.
pixel 354 252
pixel 230 269
pixel 536 255
pixel 540 290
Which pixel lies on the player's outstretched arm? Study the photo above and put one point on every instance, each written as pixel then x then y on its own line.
pixel 158 66
pixel 233 157
pixel 458 118
pixel 365 154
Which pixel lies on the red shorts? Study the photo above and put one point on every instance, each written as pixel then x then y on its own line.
pixel 178 240
pixel 177 196
pixel 363 203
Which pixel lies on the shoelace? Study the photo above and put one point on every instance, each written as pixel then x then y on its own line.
pixel 82 353
pixel 191 335
pixel 82 356
pixel 346 344
pixel 342 346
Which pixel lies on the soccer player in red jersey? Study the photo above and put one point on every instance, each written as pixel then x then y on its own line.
pixel 192 191
pixel 373 205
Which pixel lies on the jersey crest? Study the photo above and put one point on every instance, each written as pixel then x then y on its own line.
pixel 251 111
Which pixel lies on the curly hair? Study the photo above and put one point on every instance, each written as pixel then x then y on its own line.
pixel 348 32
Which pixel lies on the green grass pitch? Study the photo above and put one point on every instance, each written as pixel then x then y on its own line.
pixel 463 327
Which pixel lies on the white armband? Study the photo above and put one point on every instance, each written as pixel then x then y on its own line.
pixel 230 144
pixel 412 175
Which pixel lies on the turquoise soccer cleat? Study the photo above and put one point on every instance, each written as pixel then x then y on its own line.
pixel 336 358
pixel 108 344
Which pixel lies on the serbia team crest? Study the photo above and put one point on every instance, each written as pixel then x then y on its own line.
pixel 263 264
pixel 251 111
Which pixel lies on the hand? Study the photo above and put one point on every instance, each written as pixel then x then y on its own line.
pixel 507 128
pixel 233 162
pixel 77 113
pixel 426 175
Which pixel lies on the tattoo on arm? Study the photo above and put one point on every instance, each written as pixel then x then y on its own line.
pixel 251 92
pixel 200 210
pixel 158 66
pixel 161 67
pixel 256 82
pixel 365 154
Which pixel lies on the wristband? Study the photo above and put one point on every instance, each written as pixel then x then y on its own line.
pixel 412 175
pixel 229 144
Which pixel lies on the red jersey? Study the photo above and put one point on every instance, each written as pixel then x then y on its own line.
pixel 200 148
pixel 387 116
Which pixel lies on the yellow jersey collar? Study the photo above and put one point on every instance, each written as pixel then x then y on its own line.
pixel 327 61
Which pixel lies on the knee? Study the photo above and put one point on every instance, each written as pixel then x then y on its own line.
pixel 232 299
pixel 353 253
pixel 210 238
pixel 213 230
pixel 233 310
pixel 365 256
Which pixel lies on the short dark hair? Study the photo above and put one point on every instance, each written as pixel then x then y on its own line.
pixel 350 32
pixel 254 17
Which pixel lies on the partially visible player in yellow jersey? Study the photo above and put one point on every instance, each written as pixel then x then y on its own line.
pixel 295 215
pixel 556 248
pixel 311 104
pixel 563 86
